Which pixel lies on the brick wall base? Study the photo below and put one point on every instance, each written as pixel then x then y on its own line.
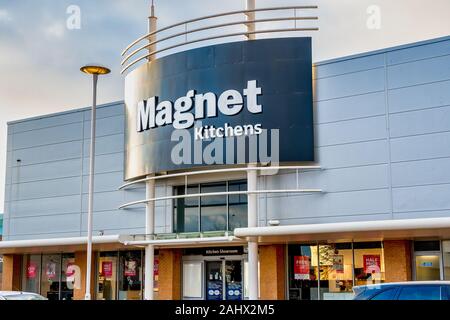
pixel 80 283
pixel 169 274
pixel 12 265
pixel 397 260
pixel 272 272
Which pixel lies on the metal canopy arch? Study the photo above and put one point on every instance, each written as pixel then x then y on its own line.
pixel 211 194
pixel 152 41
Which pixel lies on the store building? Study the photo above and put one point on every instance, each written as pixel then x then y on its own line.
pixel 358 194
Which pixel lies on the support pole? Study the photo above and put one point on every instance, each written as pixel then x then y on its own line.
pixel 253 285
pixel 149 249
pixel 87 295
pixel 250 5
pixel 152 25
pixel 150 188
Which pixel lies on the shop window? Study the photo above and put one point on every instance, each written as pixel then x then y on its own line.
pixel 369 263
pixel 107 275
pixel 329 271
pixel 336 271
pixel 31 273
pixel 212 213
pixel 50 276
pixel 130 275
pixel 67 276
pixel 303 272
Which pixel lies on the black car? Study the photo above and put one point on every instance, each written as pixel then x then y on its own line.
pixel 414 290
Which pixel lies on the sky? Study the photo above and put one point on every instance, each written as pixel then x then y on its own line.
pixel 42 47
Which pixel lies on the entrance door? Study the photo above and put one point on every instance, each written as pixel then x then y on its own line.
pixel 233 280
pixel 428 266
pixel 214 280
pixel 224 280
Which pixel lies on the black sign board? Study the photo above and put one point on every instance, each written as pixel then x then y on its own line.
pixel 270 82
pixel 215 251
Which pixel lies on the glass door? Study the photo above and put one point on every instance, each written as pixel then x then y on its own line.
pixel 214 280
pixel 224 280
pixel 50 276
pixel 428 266
pixel 233 280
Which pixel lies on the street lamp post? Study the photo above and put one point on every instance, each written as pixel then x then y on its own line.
pixel 95 71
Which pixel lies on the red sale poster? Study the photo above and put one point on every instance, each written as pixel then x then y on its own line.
pixel 107 267
pixel 31 270
pixel 301 267
pixel 130 268
pixel 372 263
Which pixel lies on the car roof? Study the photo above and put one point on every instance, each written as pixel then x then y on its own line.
pixel 405 283
pixel 14 293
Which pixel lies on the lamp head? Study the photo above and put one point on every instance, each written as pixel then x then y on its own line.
pixel 96 70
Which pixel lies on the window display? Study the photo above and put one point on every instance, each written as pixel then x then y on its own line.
pixel 32 273
pixel 50 277
pixel 336 271
pixel 303 272
pixel 369 263
pixel 329 271
pixel 107 275
pixel 130 275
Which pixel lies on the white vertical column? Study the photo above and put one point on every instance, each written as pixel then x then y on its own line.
pixel 152 19
pixel 150 189
pixel 253 283
pixel 250 5
pixel 150 249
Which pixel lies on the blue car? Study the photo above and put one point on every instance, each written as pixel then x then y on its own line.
pixel 414 290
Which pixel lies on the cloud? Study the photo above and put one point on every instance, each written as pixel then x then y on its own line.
pixel 55 30
pixel 5 16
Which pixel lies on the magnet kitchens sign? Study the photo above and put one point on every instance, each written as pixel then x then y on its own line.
pixel 226 104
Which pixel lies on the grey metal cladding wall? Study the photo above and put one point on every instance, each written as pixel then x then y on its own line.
pixel 419 117
pixel 46 193
pixel 382 133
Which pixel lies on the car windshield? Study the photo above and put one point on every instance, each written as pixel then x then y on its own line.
pixel 24 296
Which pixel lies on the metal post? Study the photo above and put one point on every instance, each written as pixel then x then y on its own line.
pixel 150 249
pixel 91 192
pixel 253 283
pixel 150 188
pixel 250 5
pixel 152 19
